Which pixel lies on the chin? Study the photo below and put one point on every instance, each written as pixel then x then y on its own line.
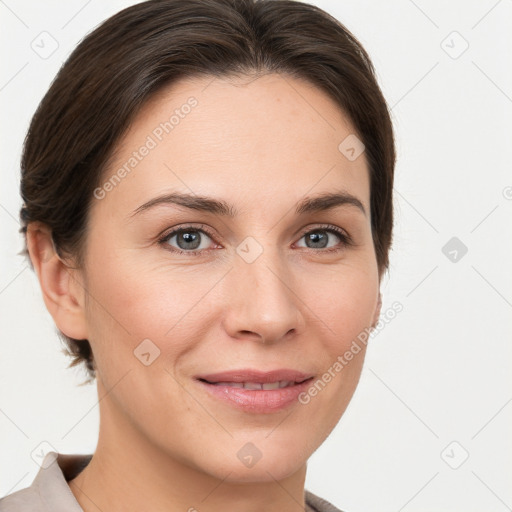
pixel 263 461
pixel 270 471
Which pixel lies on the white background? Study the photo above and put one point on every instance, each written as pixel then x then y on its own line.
pixel 439 372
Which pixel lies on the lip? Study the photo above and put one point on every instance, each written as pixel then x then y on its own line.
pixel 252 375
pixel 257 401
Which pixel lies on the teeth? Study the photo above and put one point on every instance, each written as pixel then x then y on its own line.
pixel 279 384
pixel 230 384
pixel 271 385
pixel 252 385
pixel 256 385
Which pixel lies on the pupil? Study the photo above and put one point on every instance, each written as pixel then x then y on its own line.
pixel 191 237
pixel 320 240
pixel 188 239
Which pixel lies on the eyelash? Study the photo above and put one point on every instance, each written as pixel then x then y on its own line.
pixel 346 240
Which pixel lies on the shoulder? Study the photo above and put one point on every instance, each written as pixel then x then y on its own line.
pixel 318 504
pixel 49 491
pixel 25 500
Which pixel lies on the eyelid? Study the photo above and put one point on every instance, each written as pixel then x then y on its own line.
pixel 162 239
pixel 345 238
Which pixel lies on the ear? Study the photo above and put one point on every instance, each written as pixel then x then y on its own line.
pixel 377 311
pixel 63 293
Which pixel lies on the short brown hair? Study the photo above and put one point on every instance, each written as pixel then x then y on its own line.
pixel 116 68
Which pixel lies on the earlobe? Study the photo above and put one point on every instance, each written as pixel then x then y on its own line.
pixel 62 294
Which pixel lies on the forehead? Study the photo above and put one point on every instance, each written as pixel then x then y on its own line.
pixel 248 140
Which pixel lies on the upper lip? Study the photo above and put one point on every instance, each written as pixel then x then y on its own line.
pixel 256 376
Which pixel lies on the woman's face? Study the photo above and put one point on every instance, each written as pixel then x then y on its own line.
pixel 265 288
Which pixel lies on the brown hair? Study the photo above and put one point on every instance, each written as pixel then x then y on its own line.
pixel 122 63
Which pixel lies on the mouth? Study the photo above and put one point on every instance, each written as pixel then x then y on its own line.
pixel 256 391
pixel 254 376
pixel 279 384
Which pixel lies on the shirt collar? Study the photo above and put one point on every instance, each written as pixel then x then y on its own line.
pixel 57 469
pixel 51 481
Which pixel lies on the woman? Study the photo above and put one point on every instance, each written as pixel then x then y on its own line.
pixel 207 194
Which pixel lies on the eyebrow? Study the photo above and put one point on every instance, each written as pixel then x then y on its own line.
pixel 322 202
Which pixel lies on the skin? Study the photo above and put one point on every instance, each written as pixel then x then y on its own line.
pixel 260 144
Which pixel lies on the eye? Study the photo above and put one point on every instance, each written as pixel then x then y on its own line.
pixel 318 238
pixel 190 240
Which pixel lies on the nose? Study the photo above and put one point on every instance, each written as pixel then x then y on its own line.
pixel 262 300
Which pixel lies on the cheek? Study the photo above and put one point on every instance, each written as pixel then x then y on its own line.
pixel 136 312
pixel 134 295
pixel 180 308
pixel 344 301
pixel 345 304
pixel 135 301
pixel 132 303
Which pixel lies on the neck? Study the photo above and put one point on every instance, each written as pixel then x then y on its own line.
pixel 128 472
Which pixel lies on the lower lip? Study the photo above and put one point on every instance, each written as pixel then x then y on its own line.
pixel 257 400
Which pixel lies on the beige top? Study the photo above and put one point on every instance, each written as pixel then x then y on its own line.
pixel 50 492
